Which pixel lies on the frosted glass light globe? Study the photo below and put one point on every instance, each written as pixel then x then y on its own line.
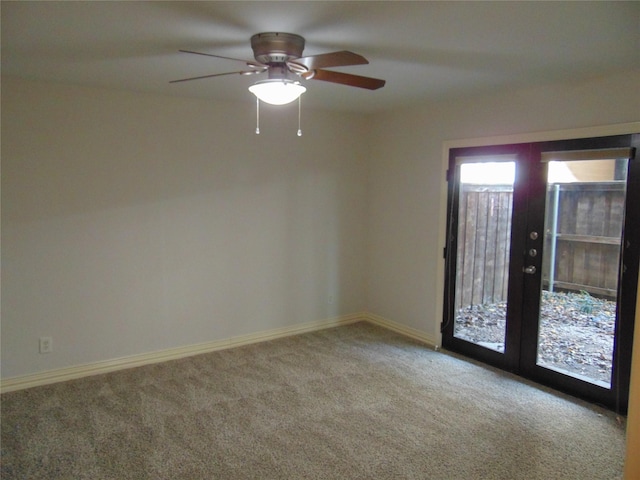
pixel 276 91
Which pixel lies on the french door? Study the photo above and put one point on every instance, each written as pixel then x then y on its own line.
pixel 543 242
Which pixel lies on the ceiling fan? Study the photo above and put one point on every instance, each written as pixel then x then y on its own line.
pixel 280 56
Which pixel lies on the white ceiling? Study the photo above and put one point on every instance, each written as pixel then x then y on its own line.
pixel 425 50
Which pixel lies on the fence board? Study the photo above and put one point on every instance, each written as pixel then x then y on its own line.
pixel 484 231
pixel 588 236
pixel 590 218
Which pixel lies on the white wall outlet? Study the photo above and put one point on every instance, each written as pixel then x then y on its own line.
pixel 330 300
pixel 46 344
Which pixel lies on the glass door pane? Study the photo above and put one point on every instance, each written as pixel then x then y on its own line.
pixel 485 204
pixel 583 224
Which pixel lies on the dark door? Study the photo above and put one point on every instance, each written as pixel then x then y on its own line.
pixel 542 261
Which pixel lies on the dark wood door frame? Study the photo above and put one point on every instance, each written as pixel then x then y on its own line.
pixel 522 328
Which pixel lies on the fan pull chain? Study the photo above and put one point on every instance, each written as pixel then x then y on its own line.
pixel 299 109
pixel 257 116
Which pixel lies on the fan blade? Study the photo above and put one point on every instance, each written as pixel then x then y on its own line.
pixel 345 79
pixel 247 62
pixel 246 72
pixel 333 59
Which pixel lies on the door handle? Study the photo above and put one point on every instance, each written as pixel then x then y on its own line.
pixel 531 269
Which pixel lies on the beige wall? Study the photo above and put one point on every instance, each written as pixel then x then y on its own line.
pixel 632 464
pixel 133 223
pixel 407 188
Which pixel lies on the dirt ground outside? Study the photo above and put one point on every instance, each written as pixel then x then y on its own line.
pixel 576 332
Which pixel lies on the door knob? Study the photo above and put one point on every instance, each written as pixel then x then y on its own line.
pixel 530 269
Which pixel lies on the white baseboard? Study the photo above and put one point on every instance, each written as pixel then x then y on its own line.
pixel 413 333
pixel 80 371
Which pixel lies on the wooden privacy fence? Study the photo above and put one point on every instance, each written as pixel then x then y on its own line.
pixel 484 232
pixel 584 247
pixel 582 240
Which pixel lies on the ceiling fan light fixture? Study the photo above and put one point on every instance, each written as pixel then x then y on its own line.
pixel 277 91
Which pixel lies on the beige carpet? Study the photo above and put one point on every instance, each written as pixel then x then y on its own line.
pixel 354 402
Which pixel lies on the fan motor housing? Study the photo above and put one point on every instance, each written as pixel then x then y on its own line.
pixel 276 47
